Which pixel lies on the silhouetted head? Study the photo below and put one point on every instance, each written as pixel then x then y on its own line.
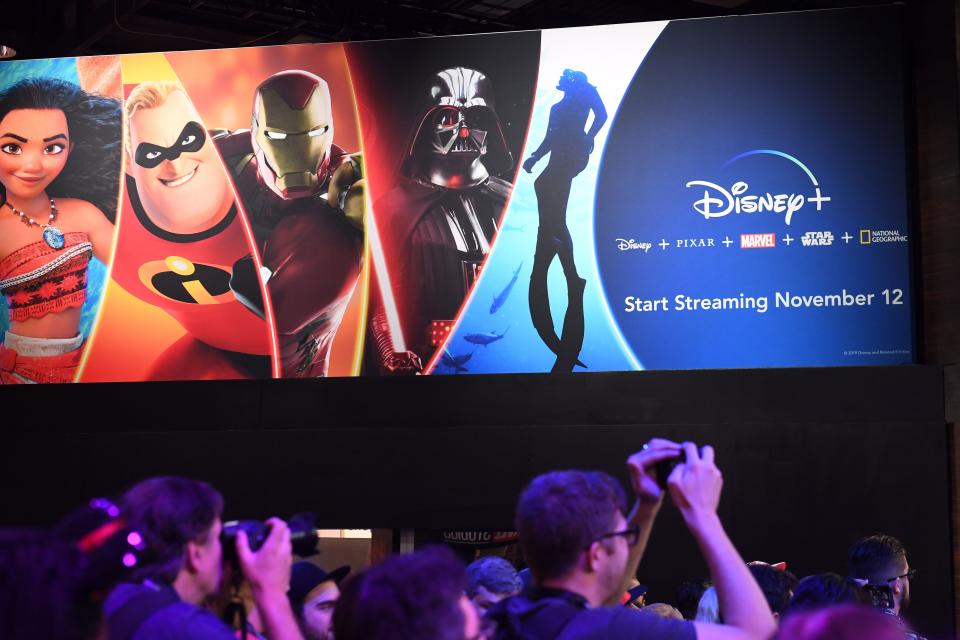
pixel 39 574
pixel 490 580
pixel 419 596
pixel 777 584
pixel 572 80
pixel 824 590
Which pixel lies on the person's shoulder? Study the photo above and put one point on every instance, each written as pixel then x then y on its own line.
pixel 184 621
pixel 120 595
pixel 625 622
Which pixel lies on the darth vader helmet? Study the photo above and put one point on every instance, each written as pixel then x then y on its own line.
pixel 457 140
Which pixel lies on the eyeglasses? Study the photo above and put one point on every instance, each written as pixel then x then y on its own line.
pixel 909 575
pixel 631 535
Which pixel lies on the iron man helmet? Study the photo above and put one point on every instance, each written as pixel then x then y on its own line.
pixel 292 133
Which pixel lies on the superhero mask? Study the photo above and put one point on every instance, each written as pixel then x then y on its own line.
pixel 292 133
pixel 180 179
pixel 191 139
pixel 458 141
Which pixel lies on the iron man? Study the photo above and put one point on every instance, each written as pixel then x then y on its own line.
pixel 303 196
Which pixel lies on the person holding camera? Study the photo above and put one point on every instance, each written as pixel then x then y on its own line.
pixel 176 523
pixel 583 546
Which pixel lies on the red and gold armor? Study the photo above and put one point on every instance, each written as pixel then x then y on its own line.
pixel 304 198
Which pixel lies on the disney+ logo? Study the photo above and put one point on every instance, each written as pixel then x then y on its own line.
pixel 718 202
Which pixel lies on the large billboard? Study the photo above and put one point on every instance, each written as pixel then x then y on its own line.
pixel 687 194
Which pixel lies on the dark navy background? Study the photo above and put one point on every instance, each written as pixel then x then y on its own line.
pixel 824 87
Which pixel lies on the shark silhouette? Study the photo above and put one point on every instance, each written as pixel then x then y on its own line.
pixel 483 339
pixel 501 297
pixel 456 362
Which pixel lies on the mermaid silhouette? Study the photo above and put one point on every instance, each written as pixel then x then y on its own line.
pixel 569 148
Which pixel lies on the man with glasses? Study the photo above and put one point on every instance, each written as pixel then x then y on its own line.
pixel 583 546
pixel 881 560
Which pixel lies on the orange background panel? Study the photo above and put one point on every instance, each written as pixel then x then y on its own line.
pixel 222 83
pixel 130 335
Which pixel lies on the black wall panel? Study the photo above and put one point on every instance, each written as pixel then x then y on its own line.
pixel 812 458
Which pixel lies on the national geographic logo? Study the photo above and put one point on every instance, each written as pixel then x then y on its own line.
pixel 872 236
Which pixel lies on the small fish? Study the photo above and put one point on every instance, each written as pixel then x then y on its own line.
pixel 501 297
pixel 483 339
pixel 514 227
pixel 456 362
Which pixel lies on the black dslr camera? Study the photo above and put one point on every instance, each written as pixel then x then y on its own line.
pixel 303 534
pixel 665 468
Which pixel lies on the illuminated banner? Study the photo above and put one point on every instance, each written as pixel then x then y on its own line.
pixel 687 194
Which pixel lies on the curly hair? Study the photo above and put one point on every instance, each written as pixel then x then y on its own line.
pixel 169 512
pixel 493 573
pixel 92 172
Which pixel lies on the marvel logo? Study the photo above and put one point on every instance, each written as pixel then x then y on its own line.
pixel 758 240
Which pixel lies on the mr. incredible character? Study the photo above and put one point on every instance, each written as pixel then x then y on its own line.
pixel 304 198
pixel 181 244
pixel 438 224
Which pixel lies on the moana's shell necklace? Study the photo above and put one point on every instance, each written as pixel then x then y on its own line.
pixel 51 235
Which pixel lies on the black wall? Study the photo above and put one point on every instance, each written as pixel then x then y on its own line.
pixel 812 458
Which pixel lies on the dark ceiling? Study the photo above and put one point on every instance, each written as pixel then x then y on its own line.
pixel 55 28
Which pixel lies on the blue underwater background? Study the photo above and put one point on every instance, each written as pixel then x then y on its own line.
pixel 521 350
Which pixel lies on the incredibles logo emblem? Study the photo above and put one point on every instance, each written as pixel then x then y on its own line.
pixel 178 278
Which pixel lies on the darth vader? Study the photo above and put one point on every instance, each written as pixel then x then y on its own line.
pixel 438 224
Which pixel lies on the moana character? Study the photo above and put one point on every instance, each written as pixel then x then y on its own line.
pixel 59 176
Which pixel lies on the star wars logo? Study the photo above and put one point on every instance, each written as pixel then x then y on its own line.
pixel 817 239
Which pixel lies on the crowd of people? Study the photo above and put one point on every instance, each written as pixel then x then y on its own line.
pixel 159 564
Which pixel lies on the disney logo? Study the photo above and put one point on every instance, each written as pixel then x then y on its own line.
pixel 626 245
pixel 718 202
